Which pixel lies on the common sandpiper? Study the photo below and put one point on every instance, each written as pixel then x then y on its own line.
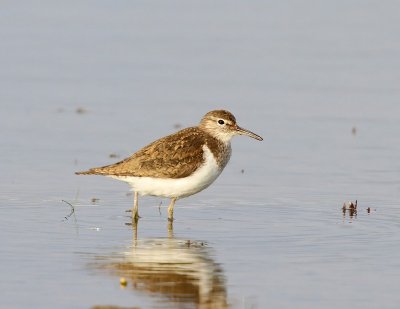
pixel 180 164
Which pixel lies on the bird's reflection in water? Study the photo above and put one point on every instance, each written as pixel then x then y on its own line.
pixel 179 271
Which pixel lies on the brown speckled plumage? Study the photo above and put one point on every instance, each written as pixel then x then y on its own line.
pixel 174 156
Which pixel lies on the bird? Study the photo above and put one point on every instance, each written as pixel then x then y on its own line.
pixel 178 165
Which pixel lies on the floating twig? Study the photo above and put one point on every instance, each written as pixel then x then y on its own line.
pixel 72 210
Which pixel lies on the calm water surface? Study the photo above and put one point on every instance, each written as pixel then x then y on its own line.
pixel 319 82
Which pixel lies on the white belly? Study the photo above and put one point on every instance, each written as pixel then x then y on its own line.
pixel 180 187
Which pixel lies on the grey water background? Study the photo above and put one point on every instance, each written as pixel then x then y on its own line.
pixel 81 80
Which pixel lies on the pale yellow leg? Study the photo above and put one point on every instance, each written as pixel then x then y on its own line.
pixel 135 231
pixel 170 229
pixel 171 209
pixel 135 209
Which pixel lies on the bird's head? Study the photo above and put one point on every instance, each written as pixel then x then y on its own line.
pixel 222 125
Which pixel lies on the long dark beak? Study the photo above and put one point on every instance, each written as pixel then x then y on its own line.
pixel 242 131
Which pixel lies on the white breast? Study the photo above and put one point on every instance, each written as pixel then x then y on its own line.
pixel 180 187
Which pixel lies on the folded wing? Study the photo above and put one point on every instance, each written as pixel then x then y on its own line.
pixel 174 156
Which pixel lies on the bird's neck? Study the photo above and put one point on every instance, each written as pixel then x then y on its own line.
pixel 221 149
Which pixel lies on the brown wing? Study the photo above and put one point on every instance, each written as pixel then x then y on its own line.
pixel 174 156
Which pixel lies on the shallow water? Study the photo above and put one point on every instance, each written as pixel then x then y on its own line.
pixel 82 81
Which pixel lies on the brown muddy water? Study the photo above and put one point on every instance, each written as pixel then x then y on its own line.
pixel 88 83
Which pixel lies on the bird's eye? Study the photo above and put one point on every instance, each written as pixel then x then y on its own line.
pixel 221 122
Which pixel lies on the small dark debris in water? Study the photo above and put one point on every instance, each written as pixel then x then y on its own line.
pixel 354 131
pixel 368 210
pixel 177 126
pixel 81 110
pixel 195 244
pixel 72 210
pixel 129 193
pixel 95 200
pixel 242 171
pixel 113 155
pixel 349 205
pixel 351 208
pixel 159 208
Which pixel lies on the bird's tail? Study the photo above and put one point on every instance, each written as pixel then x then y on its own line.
pixel 89 172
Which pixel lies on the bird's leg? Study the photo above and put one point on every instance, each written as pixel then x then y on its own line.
pixel 171 209
pixel 170 229
pixel 135 209
pixel 135 224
